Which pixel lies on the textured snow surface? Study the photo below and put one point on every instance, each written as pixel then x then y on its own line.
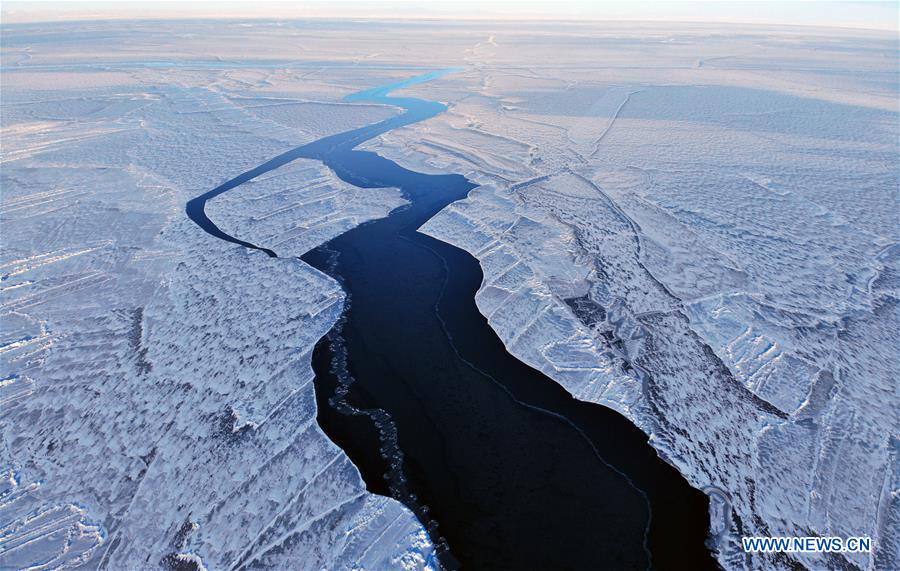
pixel 298 207
pixel 695 225
pixel 700 230
pixel 156 397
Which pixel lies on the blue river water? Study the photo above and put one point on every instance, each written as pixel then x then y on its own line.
pixel 504 468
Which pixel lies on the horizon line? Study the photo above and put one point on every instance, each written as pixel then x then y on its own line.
pixel 96 18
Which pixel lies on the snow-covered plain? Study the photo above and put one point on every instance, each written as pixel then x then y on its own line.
pixel 698 227
pixel 157 399
pixel 695 225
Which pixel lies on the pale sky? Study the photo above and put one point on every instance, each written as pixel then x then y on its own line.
pixel 849 14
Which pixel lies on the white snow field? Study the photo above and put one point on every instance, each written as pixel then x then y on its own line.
pixel 695 225
pixel 156 401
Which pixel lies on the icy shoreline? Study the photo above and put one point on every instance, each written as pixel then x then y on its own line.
pixel 158 405
pixel 595 275
pixel 709 204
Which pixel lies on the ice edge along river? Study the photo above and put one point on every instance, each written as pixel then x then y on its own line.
pixel 342 145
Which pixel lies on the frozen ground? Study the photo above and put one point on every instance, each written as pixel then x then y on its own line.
pixel 156 402
pixel 696 226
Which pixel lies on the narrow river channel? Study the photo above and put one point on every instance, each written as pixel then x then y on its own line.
pixel 502 465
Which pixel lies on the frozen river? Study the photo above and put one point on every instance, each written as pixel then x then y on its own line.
pixel 501 464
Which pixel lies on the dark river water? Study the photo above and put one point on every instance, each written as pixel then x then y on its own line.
pixel 502 465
